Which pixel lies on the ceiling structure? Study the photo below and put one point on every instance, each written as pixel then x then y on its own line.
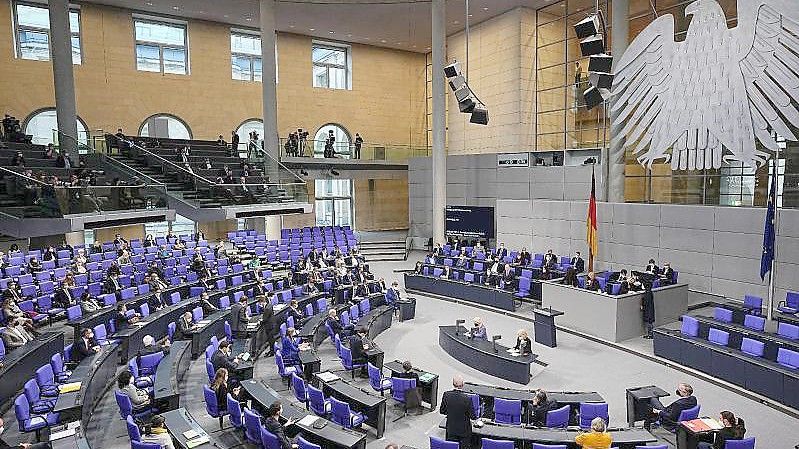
pixel 399 24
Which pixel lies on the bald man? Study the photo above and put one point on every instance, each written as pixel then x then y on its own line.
pixel 457 405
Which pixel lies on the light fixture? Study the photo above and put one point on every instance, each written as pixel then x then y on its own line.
pixel 332 32
pixel 311 29
pixel 485 8
pixel 176 8
pixel 291 26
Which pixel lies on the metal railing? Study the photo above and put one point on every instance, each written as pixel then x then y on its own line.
pixel 367 151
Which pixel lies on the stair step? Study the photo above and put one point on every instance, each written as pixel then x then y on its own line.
pixel 382 243
pixel 385 258
pixel 380 251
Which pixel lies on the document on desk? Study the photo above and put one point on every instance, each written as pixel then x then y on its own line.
pixel 69 388
pixel 702 425
pixel 192 433
pixel 68 432
pixel 426 377
pixel 307 421
pixel 327 376
pixel 139 323
pixel 514 352
pixel 198 441
pixel 203 322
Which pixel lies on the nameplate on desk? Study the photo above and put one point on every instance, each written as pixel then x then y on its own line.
pixel 327 376
pixel 69 388
pixel 198 441
pixel 203 322
pixel 68 432
pixel 192 433
pixel 139 323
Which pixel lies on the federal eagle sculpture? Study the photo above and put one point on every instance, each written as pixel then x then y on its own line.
pixel 710 98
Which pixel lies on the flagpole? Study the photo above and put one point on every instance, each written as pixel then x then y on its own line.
pixel 770 301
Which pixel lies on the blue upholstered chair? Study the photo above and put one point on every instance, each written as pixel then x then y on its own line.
pixel 398 388
pixel 284 371
pixel 755 322
pixel 718 337
pixel 753 304
pixel 591 410
pixel 438 443
pixel 787 330
pixel 317 402
pixel 791 303
pixel 788 358
pixel 304 444
pixel 488 443
pixel 341 414
pixel 299 389
pixel 252 426
pixel 746 443
pixel 211 405
pixel 143 445
pixel 269 440
pixel 347 363
pixel 133 430
pixel 558 417
pixel 689 326
pixel 549 446
pixel 234 412
pixel 752 347
pixel 507 411
pixel 722 314
pixel 376 379
pixel 689 414
pixel 126 407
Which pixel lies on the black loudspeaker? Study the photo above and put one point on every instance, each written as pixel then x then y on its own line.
pixel 587 27
pixel 601 80
pixel 593 97
pixel 479 115
pixel 600 63
pixel 457 82
pixel 463 93
pixel 593 45
pixel 452 70
pixel 467 105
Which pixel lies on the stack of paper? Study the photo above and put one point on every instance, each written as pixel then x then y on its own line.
pixel 197 441
pixel 327 376
pixel 69 388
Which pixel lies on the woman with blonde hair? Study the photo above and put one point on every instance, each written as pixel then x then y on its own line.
pixel 523 343
pixel 597 438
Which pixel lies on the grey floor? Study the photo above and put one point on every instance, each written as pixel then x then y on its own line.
pixel 576 364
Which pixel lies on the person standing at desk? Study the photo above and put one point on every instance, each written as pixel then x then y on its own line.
pixel 272 424
pixel 239 318
pixel 541 406
pixel 734 429
pixel 457 406
pixel 478 330
pixel 267 323
pixel 577 262
pixel 668 415
pixel 597 438
pixel 648 310
pixel 523 343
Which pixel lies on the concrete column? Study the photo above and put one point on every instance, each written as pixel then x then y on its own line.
pixel 274 223
pixel 63 78
pixel 269 82
pixel 75 238
pixel 258 224
pixel 439 171
pixel 620 18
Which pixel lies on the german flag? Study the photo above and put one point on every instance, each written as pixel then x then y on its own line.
pixel 591 237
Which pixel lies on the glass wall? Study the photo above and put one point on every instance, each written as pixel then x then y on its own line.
pixel 161 46
pixel 341 145
pixel 165 126
pixel 42 123
pixel 333 202
pixel 330 66
pixel 32 31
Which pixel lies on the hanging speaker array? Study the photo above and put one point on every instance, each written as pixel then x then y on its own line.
pixel 468 103
pixel 590 32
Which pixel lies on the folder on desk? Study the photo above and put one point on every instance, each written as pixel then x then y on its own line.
pixel 69 388
pixel 192 433
pixel 702 425
pixel 307 420
pixel 327 376
pixel 197 441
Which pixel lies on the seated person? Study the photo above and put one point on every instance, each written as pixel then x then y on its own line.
pixel 85 346
pixel 15 335
pixel 295 312
pixel 418 269
pixel 220 386
pixel 88 303
pixel 634 284
pixel 591 283
pixel 493 274
pixel 668 415
pixel 290 348
pixel 157 433
pixel 524 258
pixel 222 357
pixel 651 267
pixel 336 326
pixel 597 438
pixel 184 327
pixel 509 277
pixel 734 429
pixel 205 303
pixel 407 372
pixel 478 330
pixel 139 398
pixel 523 344
pixel 463 262
pixel 541 405
pixel 668 274
pixel 272 424
pixel 361 290
pixel 577 262
pixel 446 272
pixel 310 288
pixel 550 259
pixel 4 445
pixel 122 319
pixel 359 344
pixel 430 259
pixel 34 266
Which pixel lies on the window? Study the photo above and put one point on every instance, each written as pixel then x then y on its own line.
pixel 330 66
pixel 245 56
pixel 333 202
pixel 165 126
pixel 161 47
pixel 246 128
pixel 181 226
pixel 341 145
pixel 42 125
pixel 33 32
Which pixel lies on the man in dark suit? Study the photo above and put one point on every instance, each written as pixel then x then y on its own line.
pixel 272 424
pixel 267 328
pixel 668 273
pixel 112 285
pixel 183 327
pixel 541 406
pixel 238 318
pixel 85 346
pixel 669 415
pixel 550 259
pixel 222 359
pixel 336 326
pixel 458 408
pixel 63 297
pixel 502 251
pixel 359 345
pixel 577 262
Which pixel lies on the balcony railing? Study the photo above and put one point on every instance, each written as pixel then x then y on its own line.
pixel 368 151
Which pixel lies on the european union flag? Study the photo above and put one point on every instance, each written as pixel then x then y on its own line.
pixel 768 232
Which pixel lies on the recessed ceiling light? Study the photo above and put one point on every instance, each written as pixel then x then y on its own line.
pixel 471 15
pixel 428 48
pixel 311 29
pixel 176 8
pixel 383 41
pixel 485 9
pixel 248 19
pixel 349 35
pixel 455 22
pixel 291 26
pixel 226 16
pixel 414 46
pixel 366 38
pixel 148 3
pixel 332 32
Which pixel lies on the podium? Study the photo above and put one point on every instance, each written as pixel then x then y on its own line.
pixel 544 326
pixel 407 309
pixel 638 402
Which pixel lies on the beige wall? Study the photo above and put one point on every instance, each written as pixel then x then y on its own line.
pixel 111 92
pixel 501 73
pixel 128 232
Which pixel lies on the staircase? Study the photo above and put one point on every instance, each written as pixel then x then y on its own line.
pixel 385 250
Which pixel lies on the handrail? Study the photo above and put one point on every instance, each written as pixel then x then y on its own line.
pixel 133 144
pixel 280 164
pixel 155 181
pixel 24 176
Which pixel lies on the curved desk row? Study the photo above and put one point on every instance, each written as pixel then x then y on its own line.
pixel 488 393
pixel 481 355
pixel 20 364
pixel 476 293
pixel 170 372
pixel 771 342
pixel 765 377
pixel 313 330
pixel 95 374
pixel 622 437
pixel 323 432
